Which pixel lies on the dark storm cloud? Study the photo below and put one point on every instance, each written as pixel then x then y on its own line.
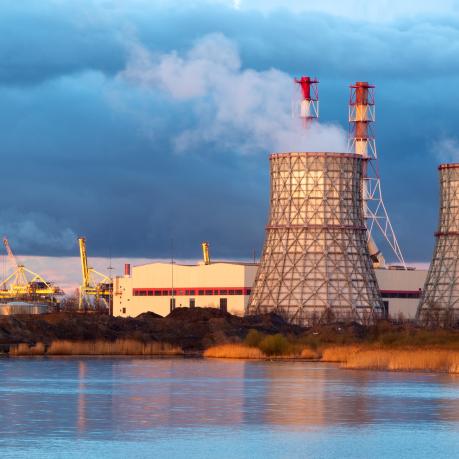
pixel 86 153
pixel 44 40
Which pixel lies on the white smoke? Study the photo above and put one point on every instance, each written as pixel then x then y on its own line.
pixel 446 150
pixel 241 109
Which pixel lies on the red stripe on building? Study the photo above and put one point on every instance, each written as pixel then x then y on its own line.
pixel 191 291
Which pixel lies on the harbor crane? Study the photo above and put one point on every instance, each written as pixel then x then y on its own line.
pixel 95 285
pixel 205 253
pixel 25 284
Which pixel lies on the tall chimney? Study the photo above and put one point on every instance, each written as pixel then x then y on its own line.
pixel 127 269
pixel 309 102
pixel 362 142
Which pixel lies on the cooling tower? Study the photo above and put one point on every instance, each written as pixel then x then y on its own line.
pixel 439 304
pixel 315 265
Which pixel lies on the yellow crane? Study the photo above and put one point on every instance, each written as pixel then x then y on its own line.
pixel 205 252
pixel 25 284
pixel 94 284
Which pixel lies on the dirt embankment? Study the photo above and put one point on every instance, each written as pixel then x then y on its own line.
pixel 212 333
pixel 183 331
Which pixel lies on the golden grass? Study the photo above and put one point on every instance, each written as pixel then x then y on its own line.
pixel 234 351
pixel 338 353
pixel 25 349
pixel 308 353
pixel 97 347
pixel 439 360
pixel 242 351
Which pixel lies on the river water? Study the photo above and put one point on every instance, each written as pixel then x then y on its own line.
pixel 193 408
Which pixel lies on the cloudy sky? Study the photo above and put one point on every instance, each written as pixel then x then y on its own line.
pixel 137 123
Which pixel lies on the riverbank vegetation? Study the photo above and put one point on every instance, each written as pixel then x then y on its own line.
pixel 407 349
pixel 213 333
pixel 355 357
pixel 95 347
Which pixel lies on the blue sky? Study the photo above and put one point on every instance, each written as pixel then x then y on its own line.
pixel 134 123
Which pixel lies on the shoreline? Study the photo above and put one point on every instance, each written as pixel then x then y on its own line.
pixel 211 333
pixel 363 357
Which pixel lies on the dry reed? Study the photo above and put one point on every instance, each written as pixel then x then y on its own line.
pixel 439 360
pixel 308 353
pixel 234 351
pixel 338 353
pixel 97 347
pixel 26 349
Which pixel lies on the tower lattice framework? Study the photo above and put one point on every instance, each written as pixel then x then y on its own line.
pixel 439 303
pixel 362 142
pixel 315 264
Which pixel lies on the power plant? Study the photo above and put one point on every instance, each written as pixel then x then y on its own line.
pixel 315 265
pixel 322 258
pixel 320 261
pixel 439 304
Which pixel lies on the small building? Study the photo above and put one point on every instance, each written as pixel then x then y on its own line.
pixel 161 287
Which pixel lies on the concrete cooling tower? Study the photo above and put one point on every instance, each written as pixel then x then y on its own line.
pixel 315 265
pixel 439 303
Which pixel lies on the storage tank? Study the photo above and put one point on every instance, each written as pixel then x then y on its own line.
pixel 21 307
pixel 315 265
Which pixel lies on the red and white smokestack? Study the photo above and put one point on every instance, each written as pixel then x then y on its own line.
pixel 361 115
pixel 362 142
pixel 309 104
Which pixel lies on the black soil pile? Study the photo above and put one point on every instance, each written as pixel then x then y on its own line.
pixel 193 329
pixel 196 329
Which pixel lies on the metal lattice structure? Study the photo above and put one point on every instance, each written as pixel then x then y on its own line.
pixel 95 285
pixel 439 303
pixel 26 285
pixel 315 265
pixel 362 142
pixel 307 107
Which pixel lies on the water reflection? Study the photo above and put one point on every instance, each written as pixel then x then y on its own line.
pixel 115 397
pixel 81 396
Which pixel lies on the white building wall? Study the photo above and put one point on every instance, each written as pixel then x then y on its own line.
pixel 399 288
pixel 226 280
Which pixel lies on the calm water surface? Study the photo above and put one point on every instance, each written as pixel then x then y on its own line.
pixel 129 407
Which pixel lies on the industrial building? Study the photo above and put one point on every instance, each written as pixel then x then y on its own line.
pixel 319 255
pixel 228 284
pixel 161 287
pixel 400 290
pixel 23 307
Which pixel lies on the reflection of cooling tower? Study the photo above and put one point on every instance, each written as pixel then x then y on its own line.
pixel 315 263
pixel 439 304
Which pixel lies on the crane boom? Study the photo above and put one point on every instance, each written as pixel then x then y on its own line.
pixel 93 283
pixel 84 261
pixel 205 253
pixel 11 256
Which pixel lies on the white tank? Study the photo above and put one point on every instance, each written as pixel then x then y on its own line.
pixel 21 307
